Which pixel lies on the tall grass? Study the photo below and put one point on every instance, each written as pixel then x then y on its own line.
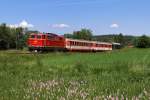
pixel 109 75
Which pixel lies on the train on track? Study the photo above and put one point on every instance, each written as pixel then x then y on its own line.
pixel 51 42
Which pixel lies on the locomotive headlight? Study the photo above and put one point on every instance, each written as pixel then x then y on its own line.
pixel 35 41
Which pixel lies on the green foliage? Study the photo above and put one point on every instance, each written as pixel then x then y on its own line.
pixel 4 32
pixel 104 38
pixel 143 42
pixel 75 75
pixel 5 37
pixel 9 36
pixel 68 35
pixel 19 38
pixel 120 39
pixel 85 34
pixel 13 37
pixel 127 40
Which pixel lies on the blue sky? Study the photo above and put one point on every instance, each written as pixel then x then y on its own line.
pixel 130 17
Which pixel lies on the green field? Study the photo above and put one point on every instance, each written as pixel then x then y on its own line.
pixel 71 76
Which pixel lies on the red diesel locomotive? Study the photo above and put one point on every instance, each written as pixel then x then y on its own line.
pixel 52 42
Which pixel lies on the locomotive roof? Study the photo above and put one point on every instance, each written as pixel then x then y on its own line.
pixel 36 34
pixel 51 34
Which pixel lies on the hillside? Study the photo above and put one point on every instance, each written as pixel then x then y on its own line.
pixel 110 38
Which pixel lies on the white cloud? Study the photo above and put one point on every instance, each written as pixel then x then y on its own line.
pixel 23 24
pixel 114 25
pixel 60 26
pixel 13 26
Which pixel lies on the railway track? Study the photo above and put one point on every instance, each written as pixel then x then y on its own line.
pixel 21 52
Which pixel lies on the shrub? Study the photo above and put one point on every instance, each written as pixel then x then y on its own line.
pixel 143 42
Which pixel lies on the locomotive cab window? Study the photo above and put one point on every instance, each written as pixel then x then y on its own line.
pixel 60 38
pixel 32 36
pixel 50 37
pixel 39 37
pixel 43 37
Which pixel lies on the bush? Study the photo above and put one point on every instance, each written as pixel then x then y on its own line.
pixel 3 45
pixel 143 42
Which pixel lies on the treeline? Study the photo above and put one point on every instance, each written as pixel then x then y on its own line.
pixel 13 38
pixel 9 36
pixel 142 42
pixel 16 38
pixel 125 40
pixel 86 34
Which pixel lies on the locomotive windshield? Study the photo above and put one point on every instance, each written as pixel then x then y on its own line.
pixel 39 37
pixel 36 36
pixel 32 36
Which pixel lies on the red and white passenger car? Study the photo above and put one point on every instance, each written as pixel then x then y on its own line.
pixel 52 42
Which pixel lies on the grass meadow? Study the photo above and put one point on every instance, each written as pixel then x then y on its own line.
pixel 116 75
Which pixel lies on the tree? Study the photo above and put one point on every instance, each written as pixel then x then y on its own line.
pixel 67 35
pixel 19 38
pixel 143 42
pixel 4 35
pixel 119 39
pixel 13 37
pixel 85 34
